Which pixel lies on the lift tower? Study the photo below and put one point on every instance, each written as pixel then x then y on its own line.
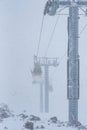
pixel 46 63
pixel 51 8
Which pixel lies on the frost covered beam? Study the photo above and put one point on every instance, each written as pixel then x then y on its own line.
pixel 52 6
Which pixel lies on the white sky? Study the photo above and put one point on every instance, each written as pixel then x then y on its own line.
pixel 20 22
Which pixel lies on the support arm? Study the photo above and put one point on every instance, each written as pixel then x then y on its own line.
pixel 51 6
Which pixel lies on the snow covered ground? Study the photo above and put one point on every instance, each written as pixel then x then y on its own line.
pixel 23 121
pixel 16 124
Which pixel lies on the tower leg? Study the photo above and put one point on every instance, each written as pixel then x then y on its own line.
pixel 73 65
pixel 46 90
pixel 41 97
pixel 73 112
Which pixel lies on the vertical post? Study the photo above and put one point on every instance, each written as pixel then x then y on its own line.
pixel 46 89
pixel 41 97
pixel 73 65
pixel 46 63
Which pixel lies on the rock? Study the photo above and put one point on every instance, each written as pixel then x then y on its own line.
pixel 81 127
pixel 54 119
pixel 4 112
pixel 29 125
pixel 23 116
pixel 5 127
pixel 42 127
pixel 34 118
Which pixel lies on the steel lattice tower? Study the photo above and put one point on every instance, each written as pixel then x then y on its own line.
pixel 51 8
pixel 73 65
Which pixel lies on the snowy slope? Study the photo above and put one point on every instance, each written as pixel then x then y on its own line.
pixel 16 124
pixel 22 121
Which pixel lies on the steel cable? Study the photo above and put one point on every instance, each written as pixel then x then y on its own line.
pixel 49 43
pixel 40 36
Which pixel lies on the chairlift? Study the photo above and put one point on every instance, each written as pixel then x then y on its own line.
pixel 37 73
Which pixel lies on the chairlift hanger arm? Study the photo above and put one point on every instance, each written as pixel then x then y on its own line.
pixel 42 61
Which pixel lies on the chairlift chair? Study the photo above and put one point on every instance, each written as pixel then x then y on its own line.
pixel 37 73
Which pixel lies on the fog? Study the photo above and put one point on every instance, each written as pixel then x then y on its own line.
pixel 20 22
